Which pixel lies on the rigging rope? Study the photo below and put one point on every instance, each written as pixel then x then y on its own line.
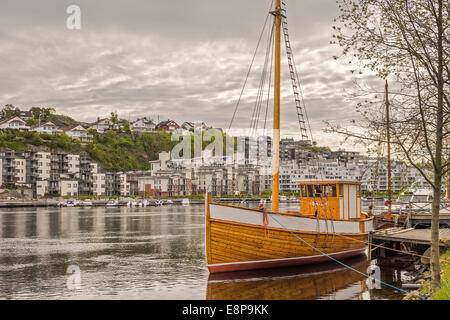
pixel 343 264
pixel 261 90
pixel 250 68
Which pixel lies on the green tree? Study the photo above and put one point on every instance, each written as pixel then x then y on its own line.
pixel 114 118
pixel 126 127
pixel 10 111
pixel 31 122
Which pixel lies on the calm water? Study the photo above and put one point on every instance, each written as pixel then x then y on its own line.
pixel 146 253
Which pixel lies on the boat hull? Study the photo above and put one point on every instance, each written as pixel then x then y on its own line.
pixel 281 263
pixel 295 283
pixel 237 245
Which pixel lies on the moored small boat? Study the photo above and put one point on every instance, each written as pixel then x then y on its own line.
pixel 112 204
pixel 87 203
pixel 73 203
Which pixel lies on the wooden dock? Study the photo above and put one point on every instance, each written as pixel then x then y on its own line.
pixel 415 236
pixel 423 219
pixel 406 240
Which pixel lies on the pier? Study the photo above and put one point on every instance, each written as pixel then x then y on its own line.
pixel 406 240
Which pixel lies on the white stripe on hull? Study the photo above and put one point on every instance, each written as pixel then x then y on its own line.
pixel 292 223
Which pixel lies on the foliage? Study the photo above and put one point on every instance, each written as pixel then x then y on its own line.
pixel 9 111
pixel 114 151
pixel 405 42
pixel 31 122
pixel 42 114
pixel 443 292
pixel 62 120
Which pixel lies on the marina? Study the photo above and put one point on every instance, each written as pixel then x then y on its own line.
pixel 163 151
pixel 149 253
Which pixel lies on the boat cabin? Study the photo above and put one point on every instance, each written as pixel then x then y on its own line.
pixel 331 199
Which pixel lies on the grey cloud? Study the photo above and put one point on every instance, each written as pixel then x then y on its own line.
pixel 178 59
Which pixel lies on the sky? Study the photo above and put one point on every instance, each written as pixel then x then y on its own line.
pixel 172 59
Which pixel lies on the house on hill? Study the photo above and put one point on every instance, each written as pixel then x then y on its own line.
pixel 105 124
pixel 101 125
pixel 190 126
pixel 25 115
pixel 143 125
pixel 48 127
pixel 14 123
pixel 78 133
pixel 168 125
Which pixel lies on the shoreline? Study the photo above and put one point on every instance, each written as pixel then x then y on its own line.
pixel 123 203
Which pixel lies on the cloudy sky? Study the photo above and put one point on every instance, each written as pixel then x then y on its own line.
pixel 180 59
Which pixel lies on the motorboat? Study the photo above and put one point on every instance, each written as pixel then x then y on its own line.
pixel 87 203
pixel 112 203
pixel 73 203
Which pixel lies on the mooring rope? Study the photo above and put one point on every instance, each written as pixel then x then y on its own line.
pixel 343 264
pixel 373 244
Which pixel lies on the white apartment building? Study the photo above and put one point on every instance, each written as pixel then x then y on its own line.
pixel 14 171
pixel 20 171
pixel 99 184
pixel 73 164
pixel 42 188
pixel 43 162
pixel 68 187
pixel 124 185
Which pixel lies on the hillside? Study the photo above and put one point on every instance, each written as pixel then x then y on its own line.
pixel 114 151
pixel 62 121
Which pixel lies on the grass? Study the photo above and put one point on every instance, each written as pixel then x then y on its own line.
pixel 443 292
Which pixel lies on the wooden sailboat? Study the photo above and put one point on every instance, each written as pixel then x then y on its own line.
pixel 330 220
pixel 388 219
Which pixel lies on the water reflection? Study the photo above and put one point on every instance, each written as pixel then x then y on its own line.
pixel 141 253
pixel 300 283
pixel 122 253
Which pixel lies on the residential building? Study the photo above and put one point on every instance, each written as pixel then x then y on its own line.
pixel 78 133
pixel 143 125
pixel 68 187
pixel 48 127
pixel 14 123
pixel 25 115
pixel 99 184
pixel 101 125
pixel 168 125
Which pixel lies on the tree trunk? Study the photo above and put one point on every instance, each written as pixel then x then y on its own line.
pixel 435 266
pixel 435 254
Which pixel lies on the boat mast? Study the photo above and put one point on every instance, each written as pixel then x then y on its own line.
pixel 388 136
pixel 276 110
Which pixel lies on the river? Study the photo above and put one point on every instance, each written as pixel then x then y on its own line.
pixel 148 253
